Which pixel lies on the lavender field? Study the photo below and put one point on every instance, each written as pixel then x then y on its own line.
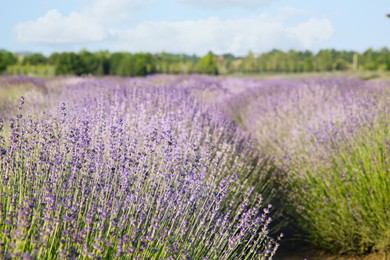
pixel 192 167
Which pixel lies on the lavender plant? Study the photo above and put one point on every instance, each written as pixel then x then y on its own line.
pixel 343 205
pixel 331 137
pixel 124 169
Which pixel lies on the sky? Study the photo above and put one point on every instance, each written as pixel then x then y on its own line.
pixel 193 26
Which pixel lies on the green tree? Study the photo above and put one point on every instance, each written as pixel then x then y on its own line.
pixel 307 61
pixel 115 61
pixel 324 60
pixel 35 59
pixel 249 63
pixel 104 63
pixel 126 66
pixel 368 60
pixel 89 63
pixel 208 64
pixel 144 64
pixel 383 59
pixel 341 64
pixel 139 64
pixel 6 59
pixel 69 63
pixel 52 59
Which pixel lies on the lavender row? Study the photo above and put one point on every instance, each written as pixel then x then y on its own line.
pixel 127 169
pixel 331 137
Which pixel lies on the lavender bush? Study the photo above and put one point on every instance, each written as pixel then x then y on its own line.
pixel 343 205
pixel 127 169
pixel 331 136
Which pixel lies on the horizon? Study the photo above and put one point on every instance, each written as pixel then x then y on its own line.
pixel 193 27
pixel 26 52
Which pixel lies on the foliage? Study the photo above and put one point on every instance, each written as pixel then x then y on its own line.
pixel 68 63
pixel 142 64
pixel 34 59
pixel 175 64
pixel 208 64
pixel 6 59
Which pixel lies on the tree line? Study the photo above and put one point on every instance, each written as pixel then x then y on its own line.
pixel 141 64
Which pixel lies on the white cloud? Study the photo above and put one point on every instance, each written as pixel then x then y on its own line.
pixel 238 36
pixel 312 32
pixel 78 27
pixel 55 28
pixel 112 11
pixel 221 4
pixel 260 33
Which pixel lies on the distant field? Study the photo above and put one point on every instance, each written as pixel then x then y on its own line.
pixel 195 166
pixel 361 75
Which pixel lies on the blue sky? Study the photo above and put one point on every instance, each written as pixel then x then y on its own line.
pixel 193 26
